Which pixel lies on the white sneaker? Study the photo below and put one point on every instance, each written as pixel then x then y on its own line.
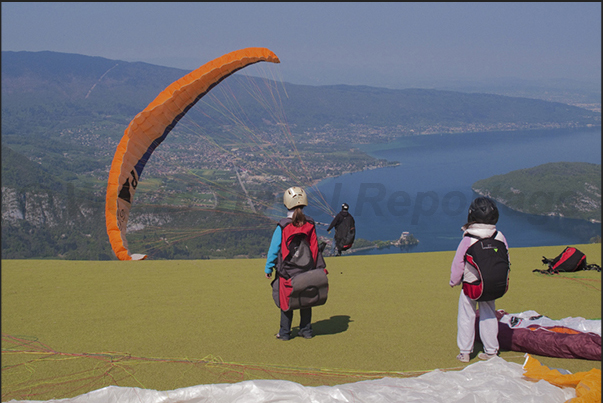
pixel 484 356
pixel 463 357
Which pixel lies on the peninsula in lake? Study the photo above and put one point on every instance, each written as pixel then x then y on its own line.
pixel 564 189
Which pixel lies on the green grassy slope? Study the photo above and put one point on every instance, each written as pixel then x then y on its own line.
pixel 170 324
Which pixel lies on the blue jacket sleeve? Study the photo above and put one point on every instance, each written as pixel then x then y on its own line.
pixel 273 251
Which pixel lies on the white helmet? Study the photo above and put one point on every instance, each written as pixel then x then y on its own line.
pixel 295 197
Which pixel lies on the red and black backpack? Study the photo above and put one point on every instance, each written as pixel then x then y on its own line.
pixel 490 258
pixel 299 248
pixel 570 260
pixel 301 279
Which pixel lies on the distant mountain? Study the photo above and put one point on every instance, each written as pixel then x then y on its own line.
pixel 94 86
pixel 586 94
pixel 565 189
pixel 55 104
pixel 418 110
pixel 63 115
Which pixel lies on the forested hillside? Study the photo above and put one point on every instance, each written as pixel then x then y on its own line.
pixel 44 216
pixel 565 189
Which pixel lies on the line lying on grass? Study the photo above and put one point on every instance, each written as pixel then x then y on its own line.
pixel 23 377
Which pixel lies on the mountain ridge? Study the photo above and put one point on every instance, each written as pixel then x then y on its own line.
pixel 106 82
pixel 63 115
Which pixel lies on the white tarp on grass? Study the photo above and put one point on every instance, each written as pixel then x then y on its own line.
pixel 495 380
pixel 531 318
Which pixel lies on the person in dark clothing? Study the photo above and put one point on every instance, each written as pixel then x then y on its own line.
pixel 344 229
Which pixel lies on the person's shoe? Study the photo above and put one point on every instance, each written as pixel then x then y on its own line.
pixel 463 357
pixel 283 338
pixel 484 356
pixel 306 335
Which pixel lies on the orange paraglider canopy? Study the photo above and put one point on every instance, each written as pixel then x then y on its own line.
pixel 151 126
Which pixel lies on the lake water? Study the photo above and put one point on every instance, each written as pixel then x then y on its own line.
pixel 429 193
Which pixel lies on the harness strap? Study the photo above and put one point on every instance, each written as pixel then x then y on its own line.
pixel 477 237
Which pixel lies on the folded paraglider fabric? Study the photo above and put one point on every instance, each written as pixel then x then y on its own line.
pixel 529 332
pixel 494 380
pixel 586 384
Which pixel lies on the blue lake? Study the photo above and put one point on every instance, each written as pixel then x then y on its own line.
pixel 429 193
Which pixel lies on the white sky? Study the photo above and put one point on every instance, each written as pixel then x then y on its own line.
pixel 380 44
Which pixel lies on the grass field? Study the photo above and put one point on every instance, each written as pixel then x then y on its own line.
pixel 69 327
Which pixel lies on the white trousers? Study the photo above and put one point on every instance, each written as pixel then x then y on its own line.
pixel 488 325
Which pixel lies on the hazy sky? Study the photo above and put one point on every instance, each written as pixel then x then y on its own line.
pixel 381 44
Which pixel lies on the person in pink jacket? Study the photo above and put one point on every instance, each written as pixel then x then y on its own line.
pixel 481 223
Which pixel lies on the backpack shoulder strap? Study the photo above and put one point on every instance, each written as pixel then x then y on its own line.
pixel 478 238
pixel 310 220
pixel 283 222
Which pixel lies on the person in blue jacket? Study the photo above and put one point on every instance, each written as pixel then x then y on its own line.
pixel 295 200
